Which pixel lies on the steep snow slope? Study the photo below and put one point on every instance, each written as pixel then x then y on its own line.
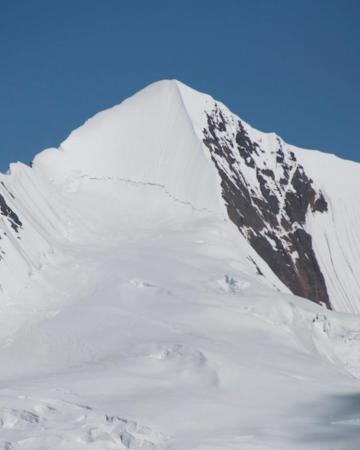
pixel 147 139
pixel 134 314
pixel 336 235
pixel 32 219
pixel 134 337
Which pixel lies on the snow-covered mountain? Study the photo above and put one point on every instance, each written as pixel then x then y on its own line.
pixel 148 271
pixel 297 209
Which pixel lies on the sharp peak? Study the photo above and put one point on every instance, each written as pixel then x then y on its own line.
pixel 183 89
pixel 171 81
pixel 193 102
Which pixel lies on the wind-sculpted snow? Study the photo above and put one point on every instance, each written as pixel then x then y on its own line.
pixel 335 235
pixel 145 287
pixel 32 219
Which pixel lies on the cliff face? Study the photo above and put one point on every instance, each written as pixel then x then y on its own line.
pixel 268 195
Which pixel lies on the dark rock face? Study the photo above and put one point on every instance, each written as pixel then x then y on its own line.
pixel 268 195
pixel 13 218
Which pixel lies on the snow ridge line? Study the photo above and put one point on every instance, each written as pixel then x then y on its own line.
pixel 188 116
pixel 151 184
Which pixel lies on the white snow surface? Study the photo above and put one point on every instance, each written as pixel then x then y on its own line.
pixel 132 313
pixel 336 235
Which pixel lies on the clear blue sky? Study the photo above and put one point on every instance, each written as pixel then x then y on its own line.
pixel 289 66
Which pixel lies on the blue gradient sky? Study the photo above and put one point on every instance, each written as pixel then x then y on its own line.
pixel 289 66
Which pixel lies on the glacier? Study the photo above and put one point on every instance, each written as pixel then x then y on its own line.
pixel 156 271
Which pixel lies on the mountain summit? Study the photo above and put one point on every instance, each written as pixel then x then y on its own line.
pixel 296 208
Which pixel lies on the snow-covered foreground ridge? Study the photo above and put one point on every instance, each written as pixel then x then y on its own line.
pixel 147 277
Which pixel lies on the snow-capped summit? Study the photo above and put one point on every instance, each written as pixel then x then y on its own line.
pixel 296 208
pixel 149 138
